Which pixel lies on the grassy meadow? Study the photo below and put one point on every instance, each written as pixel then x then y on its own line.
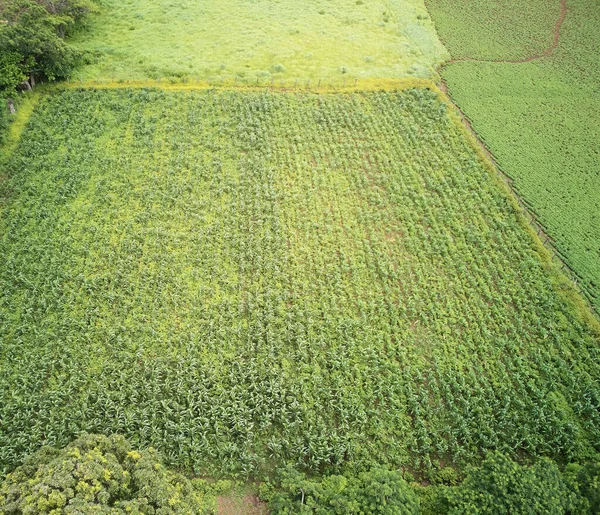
pixel 247 279
pixel 260 40
pixel 541 120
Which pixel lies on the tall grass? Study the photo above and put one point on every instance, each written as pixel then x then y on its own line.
pixel 261 39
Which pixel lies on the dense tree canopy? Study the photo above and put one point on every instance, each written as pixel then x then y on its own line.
pixel 32 39
pixel 100 475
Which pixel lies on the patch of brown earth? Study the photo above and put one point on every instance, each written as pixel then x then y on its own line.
pixel 241 505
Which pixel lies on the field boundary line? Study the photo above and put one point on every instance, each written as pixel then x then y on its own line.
pixel 231 84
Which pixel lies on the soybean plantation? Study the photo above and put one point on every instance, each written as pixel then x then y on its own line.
pixel 260 40
pixel 540 118
pixel 247 279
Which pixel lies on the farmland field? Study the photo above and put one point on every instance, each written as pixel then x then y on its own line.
pixel 493 29
pixel 247 279
pixel 540 119
pixel 261 40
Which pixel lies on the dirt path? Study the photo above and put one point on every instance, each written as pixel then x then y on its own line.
pixel 545 53
pixel 240 505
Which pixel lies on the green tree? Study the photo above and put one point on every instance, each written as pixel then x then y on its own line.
pixel 71 13
pixel 584 480
pixel 36 31
pixel 11 75
pixel 100 475
pixel 31 31
pixel 377 491
pixel 501 486
pixel 11 71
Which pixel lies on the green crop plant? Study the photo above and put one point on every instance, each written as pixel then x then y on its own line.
pixel 248 279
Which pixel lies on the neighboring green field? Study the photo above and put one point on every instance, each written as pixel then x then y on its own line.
pixel 541 120
pixel 262 40
pixel 495 29
pixel 247 279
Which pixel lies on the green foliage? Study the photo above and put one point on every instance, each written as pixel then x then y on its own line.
pixel 501 486
pixel 32 39
pixel 244 280
pixel 539 119
pixel 11 72
pixel 584 481
pixel 378 491
pixel 4 120
pixel 68 15
pixel 261 40
pixel 100 475
pixel 446 476
pixel 498 486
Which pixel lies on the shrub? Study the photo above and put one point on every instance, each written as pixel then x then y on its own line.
pixel 378 491
pixel 99 475
pixel 501 486
pixel 584 480
pixel 3 120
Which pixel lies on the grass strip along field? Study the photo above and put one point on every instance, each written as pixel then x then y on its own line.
pixel 247 279
pixel 260 40
pixel 540 119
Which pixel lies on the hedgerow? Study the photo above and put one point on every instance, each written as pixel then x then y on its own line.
pixel 498 486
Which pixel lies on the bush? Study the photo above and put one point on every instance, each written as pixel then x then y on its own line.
pixel 501 486
pixel 378 491
pixel 99 475
pixel 11 71
pixel 32 39
pixel 584 480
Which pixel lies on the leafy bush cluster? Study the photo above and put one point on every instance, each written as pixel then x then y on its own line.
pixel 378 491
pixel 98 475
pixel 32 39
pixel 498 486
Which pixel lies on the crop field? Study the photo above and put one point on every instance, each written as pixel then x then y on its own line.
pixel 261 40
pixel 494 29
pixel 541 121
pixel 248 279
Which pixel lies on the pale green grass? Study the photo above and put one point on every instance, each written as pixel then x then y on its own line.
pixel 261 40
